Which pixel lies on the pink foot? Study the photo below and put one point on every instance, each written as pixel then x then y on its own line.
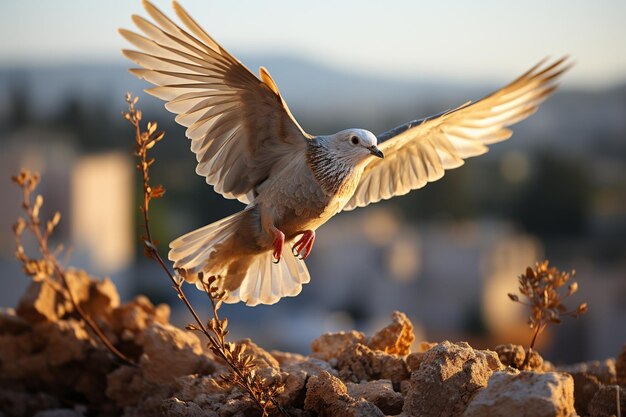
pixel 279 241
pixel 304 244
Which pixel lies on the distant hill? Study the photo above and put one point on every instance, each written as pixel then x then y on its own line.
pixel 325 99
pixel 307 86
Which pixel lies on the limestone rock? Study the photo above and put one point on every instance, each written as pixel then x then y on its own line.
pixel 58 358
pixel 449 376
pixel 603 370
pixel 285 358
pixel 64 341
pixel 311 367
pixel 130 391
pixel 126 386
pixel 15 351
pixel 90 380
pixel 263 358
pixel 330 345
pixel 328 397
pixel 173 407
pixel 294 377
pixel 405 387
pixel 588 380
pixel 293 388
pixel 413 360
pixel 45 348
pixel 525 394
pixel 11 323
pixel 18 403
pixel 169 353
pixel 513 356
pixel 131 319
pixel 103 298
pixel 237 405
pixel 585 388
pixel 80 282
pixel 40 303
pixel 380 393
pixel 213 398
pixel 359 363
pixel 188 387
pixel 34 356
pixel 396 338
pixel 604 403
pixel 425 346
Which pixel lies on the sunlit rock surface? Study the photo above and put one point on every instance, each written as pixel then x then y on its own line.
pixel 50 366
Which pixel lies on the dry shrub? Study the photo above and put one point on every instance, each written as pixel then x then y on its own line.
pixel 46 265
pixel 543 287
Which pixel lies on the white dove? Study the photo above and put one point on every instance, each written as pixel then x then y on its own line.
pixel 249 147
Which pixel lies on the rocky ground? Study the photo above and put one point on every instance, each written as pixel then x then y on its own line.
pixel 49 366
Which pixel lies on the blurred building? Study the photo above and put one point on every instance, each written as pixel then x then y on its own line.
pixel 103 230
pixel 93 193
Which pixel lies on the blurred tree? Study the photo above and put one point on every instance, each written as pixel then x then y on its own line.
pixel 19 114
pixel 556 199
pixel 452 197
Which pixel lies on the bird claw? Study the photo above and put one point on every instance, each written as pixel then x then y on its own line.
pixel 296 253
pixel 279 240
pixel 303 246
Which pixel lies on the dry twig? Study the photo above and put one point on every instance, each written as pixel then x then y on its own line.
pixel 47 267
pixel 543 288
pixel 241 364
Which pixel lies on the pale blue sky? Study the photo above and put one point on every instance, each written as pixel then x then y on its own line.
pixel 476 40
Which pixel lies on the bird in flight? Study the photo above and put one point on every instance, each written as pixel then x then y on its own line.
pixel 249 147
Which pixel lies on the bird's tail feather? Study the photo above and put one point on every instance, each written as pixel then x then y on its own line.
pixel 191 252
pixel 267 282
pixel 262 281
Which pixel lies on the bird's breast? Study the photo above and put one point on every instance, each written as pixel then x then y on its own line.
pixel 299 201
pixel 321 204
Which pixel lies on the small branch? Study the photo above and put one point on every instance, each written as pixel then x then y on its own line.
pixel 538 329
pixel 215 332
pixel 48 265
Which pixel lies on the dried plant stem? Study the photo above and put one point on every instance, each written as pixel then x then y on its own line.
pixel 89 321
pixel 538 329
pixel 544 289
pixel 220 341
pixel 218 345
pixel 28 183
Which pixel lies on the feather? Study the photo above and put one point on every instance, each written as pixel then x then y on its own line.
pixel 442 141
pixel 212 92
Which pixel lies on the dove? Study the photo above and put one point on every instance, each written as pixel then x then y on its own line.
pixel 249 147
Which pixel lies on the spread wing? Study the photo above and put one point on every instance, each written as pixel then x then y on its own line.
pixel 418 152
pixel 239 125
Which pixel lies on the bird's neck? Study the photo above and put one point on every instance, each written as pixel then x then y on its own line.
pixel 330 169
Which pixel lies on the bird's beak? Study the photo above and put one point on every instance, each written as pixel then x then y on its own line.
pixel 376 152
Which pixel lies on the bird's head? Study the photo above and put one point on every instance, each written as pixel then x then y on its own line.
pixel 355 145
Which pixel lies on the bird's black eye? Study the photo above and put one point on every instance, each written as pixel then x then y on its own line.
pixel 354 140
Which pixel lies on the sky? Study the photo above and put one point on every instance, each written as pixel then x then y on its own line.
pixel 485 40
